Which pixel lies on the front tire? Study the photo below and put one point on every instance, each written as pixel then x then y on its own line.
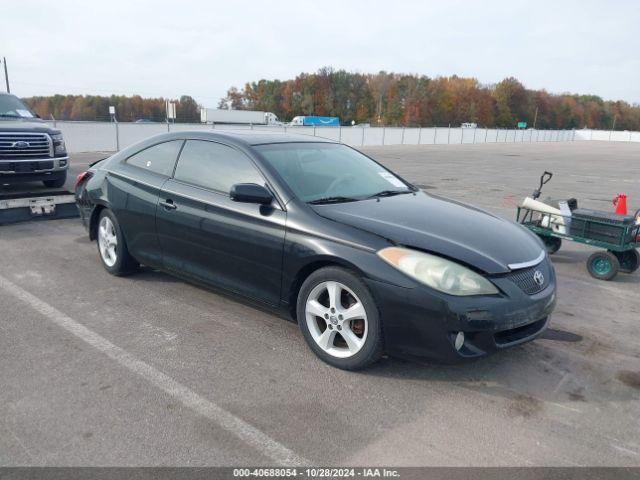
pixel 603 265
pixel 552 244
pixel 112 247
pixel 339 319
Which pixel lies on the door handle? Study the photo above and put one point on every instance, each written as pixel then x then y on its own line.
pixel 168 204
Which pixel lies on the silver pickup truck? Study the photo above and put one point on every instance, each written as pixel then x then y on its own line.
pixel 30 150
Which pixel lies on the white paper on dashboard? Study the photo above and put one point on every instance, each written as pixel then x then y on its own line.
pixel 24 113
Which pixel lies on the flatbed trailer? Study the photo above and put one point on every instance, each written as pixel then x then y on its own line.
pixel 39 205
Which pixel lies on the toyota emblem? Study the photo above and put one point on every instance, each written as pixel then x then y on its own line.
pixel 538 277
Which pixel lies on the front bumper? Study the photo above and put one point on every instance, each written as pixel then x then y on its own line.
pixel 32 170
pixel 422 322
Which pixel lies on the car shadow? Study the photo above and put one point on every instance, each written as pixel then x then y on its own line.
pixel 568 257
pixel 561 335
pixel 148 274
pixel 539 372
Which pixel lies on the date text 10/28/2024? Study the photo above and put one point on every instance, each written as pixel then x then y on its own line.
pixel 316 472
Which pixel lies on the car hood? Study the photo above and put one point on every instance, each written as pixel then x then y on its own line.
pixel 33 125
pixel 442 226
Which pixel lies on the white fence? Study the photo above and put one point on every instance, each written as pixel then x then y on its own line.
pixel 608 135
pixel 101 136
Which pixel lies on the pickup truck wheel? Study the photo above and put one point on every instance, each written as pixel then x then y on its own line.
pixel 57 183
pixel 112 247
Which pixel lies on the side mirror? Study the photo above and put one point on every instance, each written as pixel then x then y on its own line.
pixel 251 193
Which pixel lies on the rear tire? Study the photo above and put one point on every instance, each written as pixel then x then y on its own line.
pixel 339 319
pixel 57 183
pixel 603 265
pixel 629 260
pixel 112 248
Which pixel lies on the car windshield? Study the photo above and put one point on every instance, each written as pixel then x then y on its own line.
pixel 330 173
pixel 12 107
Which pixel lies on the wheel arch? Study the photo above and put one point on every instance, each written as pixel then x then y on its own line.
pixel 313 265
pixel 93 221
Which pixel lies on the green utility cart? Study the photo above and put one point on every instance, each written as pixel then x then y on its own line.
pixel 617 235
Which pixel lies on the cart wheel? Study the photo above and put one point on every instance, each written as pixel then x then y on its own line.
pixel 552 244
pixel 629 260
pixel 603 265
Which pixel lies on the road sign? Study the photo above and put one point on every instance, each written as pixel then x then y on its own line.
pixel 522 124
pixel 171 110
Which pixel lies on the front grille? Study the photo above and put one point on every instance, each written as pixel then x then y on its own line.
pixel 525 278
pixel 512 335
pixel 21 146
pixel 25 167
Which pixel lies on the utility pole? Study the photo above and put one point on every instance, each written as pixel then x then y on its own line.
pixel 613 126
pixel 6 74
pixel 535 118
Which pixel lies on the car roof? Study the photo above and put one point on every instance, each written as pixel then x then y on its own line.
pixel 250 137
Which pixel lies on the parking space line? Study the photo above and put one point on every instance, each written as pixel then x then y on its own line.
pixel 228 421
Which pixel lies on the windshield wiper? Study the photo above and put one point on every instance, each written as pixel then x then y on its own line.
pixel 9 115
pixel 389 193
pixel 336 199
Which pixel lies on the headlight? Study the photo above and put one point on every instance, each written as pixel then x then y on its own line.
pixel 438 273
pixel 58 143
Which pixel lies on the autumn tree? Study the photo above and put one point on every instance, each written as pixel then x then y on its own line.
pixel 512 103
pixel 383 98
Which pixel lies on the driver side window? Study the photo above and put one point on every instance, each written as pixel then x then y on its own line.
pixel 215 166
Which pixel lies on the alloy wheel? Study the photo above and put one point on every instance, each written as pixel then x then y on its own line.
pixel 337 319
pixel 108 242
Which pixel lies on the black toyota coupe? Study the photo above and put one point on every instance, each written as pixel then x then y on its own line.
pixel 365 262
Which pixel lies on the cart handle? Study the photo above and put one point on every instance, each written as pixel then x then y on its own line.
pixel 544 179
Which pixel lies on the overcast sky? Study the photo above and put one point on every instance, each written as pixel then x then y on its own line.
pixel 201 48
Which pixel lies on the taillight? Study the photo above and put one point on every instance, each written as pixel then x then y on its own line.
pixel 81 177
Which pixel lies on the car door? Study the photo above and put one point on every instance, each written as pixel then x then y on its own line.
pixel 133 186
pixel 208 236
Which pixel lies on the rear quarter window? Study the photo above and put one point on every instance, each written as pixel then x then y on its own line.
pixel 160 158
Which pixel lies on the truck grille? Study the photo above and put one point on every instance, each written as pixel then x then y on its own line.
pixel 526 278
pixel 23 146
pixel 25 167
